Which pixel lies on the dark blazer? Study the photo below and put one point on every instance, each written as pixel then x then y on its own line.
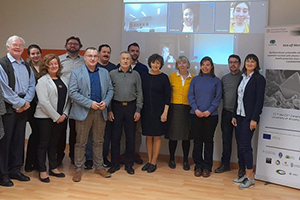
pixel 253 97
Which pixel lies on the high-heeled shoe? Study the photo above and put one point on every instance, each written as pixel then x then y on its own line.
pixel 44 180
pixel 59 175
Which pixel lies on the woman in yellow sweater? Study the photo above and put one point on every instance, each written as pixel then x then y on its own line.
pixel 179 112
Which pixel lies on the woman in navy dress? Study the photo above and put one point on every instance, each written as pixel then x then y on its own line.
pixel 157 96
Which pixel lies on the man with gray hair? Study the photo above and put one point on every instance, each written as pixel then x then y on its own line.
pixel 125 111
pixel 18 86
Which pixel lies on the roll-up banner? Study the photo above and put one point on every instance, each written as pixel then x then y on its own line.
pixel 278 154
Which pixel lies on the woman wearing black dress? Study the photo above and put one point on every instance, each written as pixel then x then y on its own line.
pixel 157 95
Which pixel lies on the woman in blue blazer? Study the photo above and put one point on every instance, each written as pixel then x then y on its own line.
pixel 248 107
pixel 51 112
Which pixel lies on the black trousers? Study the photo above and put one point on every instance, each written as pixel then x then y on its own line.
pixel 31 153
pixel 49 136
pixel 12 144
pixel 107 138
pixel 124 117
pixel 62 141
pixel 227 132
pixel 203 130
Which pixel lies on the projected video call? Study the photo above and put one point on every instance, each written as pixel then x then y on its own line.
pixel 196 29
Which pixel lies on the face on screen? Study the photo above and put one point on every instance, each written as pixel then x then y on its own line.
pixel 241 13
pixel 188 17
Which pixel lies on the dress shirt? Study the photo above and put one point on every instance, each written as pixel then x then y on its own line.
pixel 241 89
pixel 95 84
pixel 127 87
pixel 69 64
pixel 24 84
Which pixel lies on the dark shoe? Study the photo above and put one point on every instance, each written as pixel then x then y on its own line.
pixel 129 170
pixel 198 172
pixel 88 164
pixel 113 170
pixel 151 168
pixel 172 164
pixel 59 175
pixel 106 162
pixel 206 173
pixel 146 166
pixel 241 172
pixel 44 180
pixel 122 159
pixel 222 169
pixel 186 166
pixel 19 176
pixel 137 159
pixel 6 182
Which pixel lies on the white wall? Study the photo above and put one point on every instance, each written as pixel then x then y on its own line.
pixel 49 23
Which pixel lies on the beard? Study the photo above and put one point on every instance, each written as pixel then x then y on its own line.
pixel 73 50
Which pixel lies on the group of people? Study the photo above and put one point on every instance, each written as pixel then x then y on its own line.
pixel 107 105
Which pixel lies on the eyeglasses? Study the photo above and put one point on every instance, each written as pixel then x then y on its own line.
pixel 92 56
pixel 233 62
pixel 74 44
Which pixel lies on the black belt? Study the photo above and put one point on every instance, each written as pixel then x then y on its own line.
pixel 123 103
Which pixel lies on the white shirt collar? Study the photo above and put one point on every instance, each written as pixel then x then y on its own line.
pixel 189 75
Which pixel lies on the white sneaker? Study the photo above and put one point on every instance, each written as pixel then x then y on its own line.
pixel 239 180
pixel 247 183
